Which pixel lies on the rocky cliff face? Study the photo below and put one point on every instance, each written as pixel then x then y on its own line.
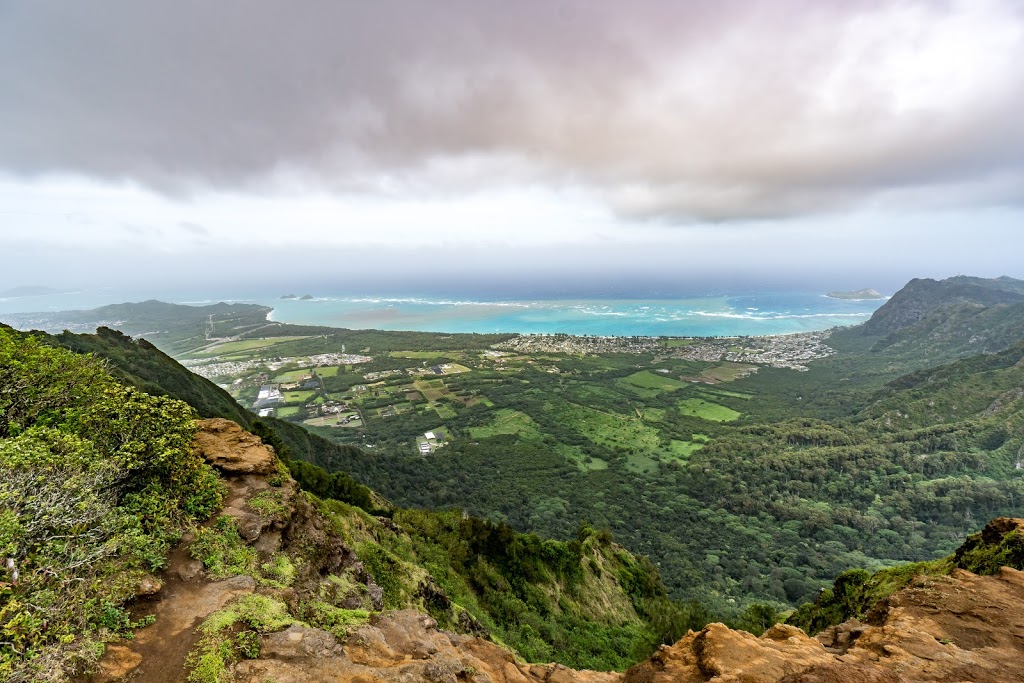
pixel 961 627
pixel 252 628
pixel 921 298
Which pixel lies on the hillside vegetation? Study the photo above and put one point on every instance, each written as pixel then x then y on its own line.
pixel 101 480
pixel 890 450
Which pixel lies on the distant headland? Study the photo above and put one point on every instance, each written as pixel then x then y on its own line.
pixel 858 294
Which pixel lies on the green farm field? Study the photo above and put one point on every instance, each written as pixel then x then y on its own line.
pixel 297 396
pixel 728 371
pixel 647 382
pixel 706 410
pixel 508 421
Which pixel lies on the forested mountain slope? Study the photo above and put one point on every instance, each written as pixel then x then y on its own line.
pixel 853 463
pixel 69 432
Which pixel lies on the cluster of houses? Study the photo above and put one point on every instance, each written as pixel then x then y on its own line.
pixel 791 351
pixel 569 343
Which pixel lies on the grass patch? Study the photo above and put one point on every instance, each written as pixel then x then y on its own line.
pixel 583 461
pixel 642 462
pixel 232 633
pixel 683 449
pixel 645 379
pixel 328 371
pixel 222 550
pixel 728 371
pixel 293 375
pixel 623 432
pixel 337 620
pixel 288 411
pixel 508 421
pixel 297 396
pixel 267 504
pixel 278 573
pixel 706 410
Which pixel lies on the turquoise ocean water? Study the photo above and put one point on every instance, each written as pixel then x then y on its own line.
pixel 752 314
pixel 719 315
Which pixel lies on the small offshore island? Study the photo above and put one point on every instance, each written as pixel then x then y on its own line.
pixel 856 295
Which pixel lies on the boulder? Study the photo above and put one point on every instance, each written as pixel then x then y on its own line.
pixel 232 450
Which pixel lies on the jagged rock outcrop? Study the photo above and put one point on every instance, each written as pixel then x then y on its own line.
pixel 397 647
pixel 718 653
pixel 961 627
pixel 233 450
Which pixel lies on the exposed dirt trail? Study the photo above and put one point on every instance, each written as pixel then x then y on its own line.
pixel 157 653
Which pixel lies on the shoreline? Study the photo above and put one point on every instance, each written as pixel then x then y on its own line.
pixel 754 316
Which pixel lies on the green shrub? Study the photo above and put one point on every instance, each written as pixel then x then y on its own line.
pixel 222 550
pixel 278 573
pixel 233 633
pixel 986 558
pixel 99 480
pixel 337 620
pixel 267 504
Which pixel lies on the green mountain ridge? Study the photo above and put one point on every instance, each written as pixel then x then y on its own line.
pixel 896 466
pixel 883 485
pixel 586 603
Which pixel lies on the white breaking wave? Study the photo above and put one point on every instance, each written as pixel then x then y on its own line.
pixel 771 315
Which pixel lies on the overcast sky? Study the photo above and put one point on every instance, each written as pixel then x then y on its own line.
pixel 863 141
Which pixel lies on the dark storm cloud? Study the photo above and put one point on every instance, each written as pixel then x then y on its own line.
pixel 708 110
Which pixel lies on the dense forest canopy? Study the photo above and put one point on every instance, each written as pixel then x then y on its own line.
pixel 741 487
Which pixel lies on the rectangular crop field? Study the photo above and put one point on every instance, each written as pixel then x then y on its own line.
pixel 645 379
pixel 431 389
pixel 444 411
pixel 297 396
pixel 707 410
pixel 292 376
pixel 728 371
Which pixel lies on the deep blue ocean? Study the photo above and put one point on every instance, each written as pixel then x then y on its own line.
pixel 708 315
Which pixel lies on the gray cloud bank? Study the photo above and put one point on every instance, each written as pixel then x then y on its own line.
pixel 673 110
